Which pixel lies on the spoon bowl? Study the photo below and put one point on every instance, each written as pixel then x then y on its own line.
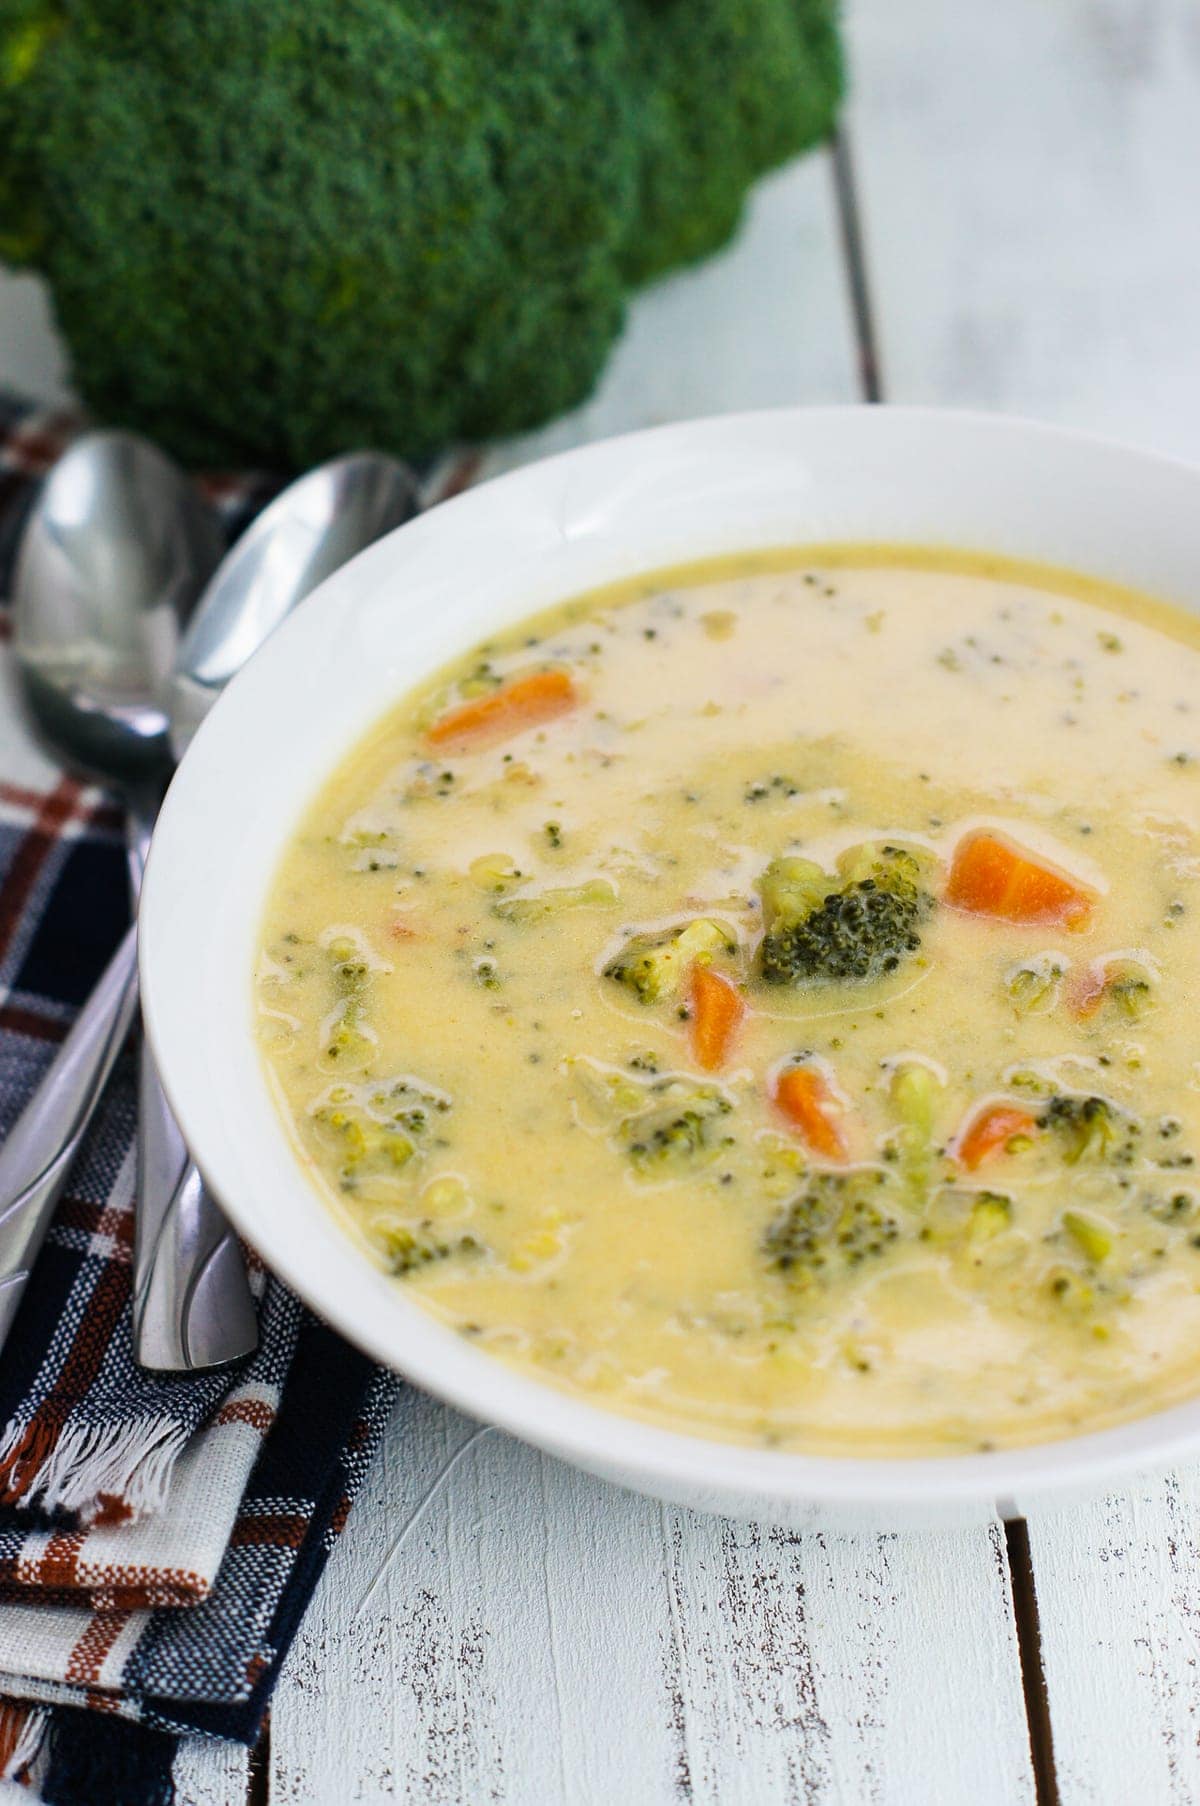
pixel 114 555
pixel 317 524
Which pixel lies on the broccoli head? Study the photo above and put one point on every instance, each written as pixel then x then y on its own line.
pixel 834 1222
pixel 274 231
pixel 860 927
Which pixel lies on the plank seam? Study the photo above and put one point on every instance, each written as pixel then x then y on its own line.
pixel 854 259
pixel 1033 1669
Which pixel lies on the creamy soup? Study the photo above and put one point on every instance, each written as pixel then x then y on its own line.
pixel 759 998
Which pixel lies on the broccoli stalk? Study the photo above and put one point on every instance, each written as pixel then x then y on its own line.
pixel 858 927
pixel 274 231
pixel 654 967
pixel 915 1093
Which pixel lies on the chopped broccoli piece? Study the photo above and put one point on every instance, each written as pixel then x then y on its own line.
pixel 861 929
pixel 835 1221
pixel 653 968
pixel 348 1047
pixel 407 1247
pixel 363 1146
pixel 1092 1237
pixel 596 893
pixel 1033 984
pixel 915 1093
pixel 1091 1128
pixel 1129 987
pixel 791 889
pixel 680 1130
pixel 375 1134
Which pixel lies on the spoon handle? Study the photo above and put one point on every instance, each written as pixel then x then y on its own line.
pixel 192 1308
pixel 42 1144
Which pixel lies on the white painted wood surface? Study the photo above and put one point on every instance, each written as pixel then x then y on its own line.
pixel 1030 181
pixel 207 1773
pixel 495 1626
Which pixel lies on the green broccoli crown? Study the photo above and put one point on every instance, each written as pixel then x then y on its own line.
pixel 836 1221
pixel 274 231
pixel 1091 1128
pixel 860 931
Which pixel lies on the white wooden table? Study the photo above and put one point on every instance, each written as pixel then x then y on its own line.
pixel 496 1627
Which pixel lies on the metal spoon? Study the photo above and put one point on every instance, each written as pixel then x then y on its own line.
pixel 113 556
pixel 110 496
pixel 315 525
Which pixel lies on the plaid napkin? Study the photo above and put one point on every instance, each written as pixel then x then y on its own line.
pixel 159 1538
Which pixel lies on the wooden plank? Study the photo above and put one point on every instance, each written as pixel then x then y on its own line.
pixel 496 1626
pixel 207 1773
pixel 1119 1601
pixel 1030 181
pixel 1028 176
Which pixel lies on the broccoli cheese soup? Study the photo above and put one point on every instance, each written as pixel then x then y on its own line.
pixel 759 998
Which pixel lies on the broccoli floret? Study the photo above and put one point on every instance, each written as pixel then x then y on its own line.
pixel 1091 1128
pixel 1129 987
pixel 374 1134
pixel 1033 984
pixel 407 1247
pixel 400 223
pixel 860 929
pixel 682 1129
pixel 836 1221
pixel 653 968
pixel 349 1046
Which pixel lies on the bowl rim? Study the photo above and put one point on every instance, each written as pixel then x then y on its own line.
pixel 676 1463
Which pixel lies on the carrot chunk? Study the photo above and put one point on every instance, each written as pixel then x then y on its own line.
pixel 990 1131
pixel 716 1012
pixel 990 877
pixel 803 1096
pixel 523 703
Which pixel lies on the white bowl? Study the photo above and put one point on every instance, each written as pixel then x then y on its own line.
pixel 433 589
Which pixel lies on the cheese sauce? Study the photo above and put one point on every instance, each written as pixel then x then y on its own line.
pixel 759 998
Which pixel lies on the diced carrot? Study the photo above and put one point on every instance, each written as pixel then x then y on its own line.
pixel 716 1012
pixel 990 877
pixel 804 1097
pixel 523 703
pixel 990 1131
